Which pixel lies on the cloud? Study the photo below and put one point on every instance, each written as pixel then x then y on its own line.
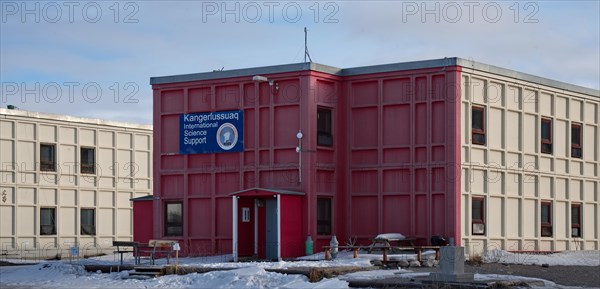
pixel 182 37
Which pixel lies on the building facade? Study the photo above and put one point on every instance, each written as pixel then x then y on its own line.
pixel 489 157
pixel 67 181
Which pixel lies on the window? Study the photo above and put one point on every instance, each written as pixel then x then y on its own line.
pixel 478 125
pixel 324 136
pixel 88 163
pixel 546 219
pixel 576 220
pixel 576 140
pixel 47 157
pixel 47 221
pixel 174 219
pixel 546 136
pixel 477 215
pixel 88 222
pixel 323 216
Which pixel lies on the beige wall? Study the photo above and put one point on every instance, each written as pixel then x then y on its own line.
pixel 123 171
pixel 515 177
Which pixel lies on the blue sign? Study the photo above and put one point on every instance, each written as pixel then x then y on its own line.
pixel 211 132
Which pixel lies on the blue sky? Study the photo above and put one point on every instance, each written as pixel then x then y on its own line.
pixel 94 59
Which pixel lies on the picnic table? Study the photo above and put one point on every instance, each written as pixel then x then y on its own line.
pixel 385 242
pixel 127 247
pixel 417 249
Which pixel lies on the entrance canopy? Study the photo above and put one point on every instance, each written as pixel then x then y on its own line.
pixel 257 217
pixel 263 192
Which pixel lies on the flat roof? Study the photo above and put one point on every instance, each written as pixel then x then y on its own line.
pixel 69 118
pixel 423 64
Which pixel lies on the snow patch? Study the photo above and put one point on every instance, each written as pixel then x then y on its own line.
pixel 389 236
pixel 566 258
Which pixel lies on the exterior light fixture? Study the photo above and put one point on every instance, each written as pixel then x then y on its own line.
pixel 274 85
pixel 299 135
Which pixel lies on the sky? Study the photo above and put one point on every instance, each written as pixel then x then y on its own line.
pixel 95 58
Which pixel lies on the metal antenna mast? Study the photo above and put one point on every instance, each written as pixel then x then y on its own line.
pixel 306 45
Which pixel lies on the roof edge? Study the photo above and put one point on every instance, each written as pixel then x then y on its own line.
pixel 275 191
pixel 381 68
pixel 470 64
pixel 70 118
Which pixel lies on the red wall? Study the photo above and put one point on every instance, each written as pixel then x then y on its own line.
pixel 403 152
pixel 142 214
pixel 204 181
pixel 292 244
pixel 391 168
pixel 246 229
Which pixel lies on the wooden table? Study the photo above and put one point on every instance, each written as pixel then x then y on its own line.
pixel 379 243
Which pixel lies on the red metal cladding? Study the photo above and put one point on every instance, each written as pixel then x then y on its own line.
pixel 142 218
pixel 392 165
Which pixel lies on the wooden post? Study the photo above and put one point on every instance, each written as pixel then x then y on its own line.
pixel 385 258
pixel 327 254
pixel 355 253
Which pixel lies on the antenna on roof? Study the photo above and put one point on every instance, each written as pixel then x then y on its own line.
pixel 306 45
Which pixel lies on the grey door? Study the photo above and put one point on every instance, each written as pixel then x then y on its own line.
pixel 271 230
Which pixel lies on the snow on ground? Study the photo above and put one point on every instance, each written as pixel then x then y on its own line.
pixel 566 258
pixel 71 274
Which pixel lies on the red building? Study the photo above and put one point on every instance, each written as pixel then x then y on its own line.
pixel 378 144
pixel 252 161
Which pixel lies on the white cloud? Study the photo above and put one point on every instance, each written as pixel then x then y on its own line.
pixel 172 38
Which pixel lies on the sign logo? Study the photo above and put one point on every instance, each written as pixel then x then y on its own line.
pixel 211 132
pixel 227 136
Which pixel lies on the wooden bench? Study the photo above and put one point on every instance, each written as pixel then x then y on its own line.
pixel 127 247
pixel 157 247
pixel 417 249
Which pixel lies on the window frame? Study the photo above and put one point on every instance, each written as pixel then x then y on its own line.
pixel 327 132
pixel 546 224
pixel 578 148
pixel 87 168
pixel 168 225
pixel 544 141
pixel 481 212
pixel 578 224
pixel 93 225
pixel 478 131
pixel 53 224
pixel 48 166
pixel 328 221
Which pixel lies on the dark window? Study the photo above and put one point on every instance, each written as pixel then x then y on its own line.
pixel 575 220
pixel 88 163
pixel 324 132
pixel 478 125
pixel 477 215
pixel 47 157
pixel 88 222
pixel 174 219
pixel 47 221
pixel 576 140
pixel 323 216
pixel 546 135
pixel 546 219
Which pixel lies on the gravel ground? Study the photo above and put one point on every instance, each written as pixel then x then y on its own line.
pixel 581 276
